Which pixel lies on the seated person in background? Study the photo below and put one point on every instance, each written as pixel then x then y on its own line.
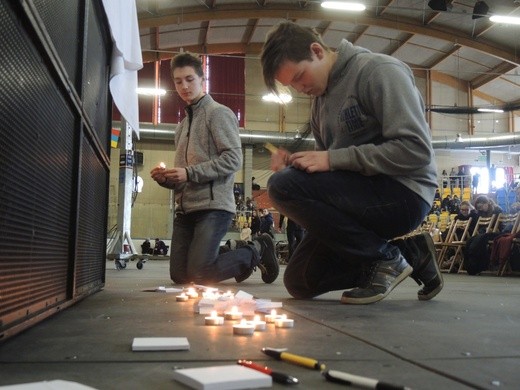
pixel 245 233
pixel 467 211
pixel 160 247
pixel 146 247
pixel 486 207
pixel 266 222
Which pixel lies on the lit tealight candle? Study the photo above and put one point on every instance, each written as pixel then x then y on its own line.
pixel 233 314
pixel 182 298
pixel 284 322
pixel 244 328
pixel 192 293
pixel 258 323
pixel 214 319
pixel 269 318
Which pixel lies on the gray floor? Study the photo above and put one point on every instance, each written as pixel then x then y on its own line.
pixel 468 337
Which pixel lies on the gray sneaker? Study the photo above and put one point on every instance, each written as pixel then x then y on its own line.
pixel 419 251
pixel 268 261
pixel 382 278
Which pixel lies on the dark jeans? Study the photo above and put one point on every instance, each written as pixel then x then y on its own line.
pixel 348 219
pixel 195 249
pixel 294 236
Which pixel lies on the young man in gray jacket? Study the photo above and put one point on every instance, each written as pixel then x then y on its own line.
pixel 208 153
pixel 372 175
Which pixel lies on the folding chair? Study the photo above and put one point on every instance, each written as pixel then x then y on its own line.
pixel 516 242
pixel 483 225
pixel 456 239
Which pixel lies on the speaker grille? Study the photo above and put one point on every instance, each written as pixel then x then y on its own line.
pixel 53 171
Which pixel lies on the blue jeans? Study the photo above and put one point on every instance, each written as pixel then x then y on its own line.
pixel 349 219
pixel 195 249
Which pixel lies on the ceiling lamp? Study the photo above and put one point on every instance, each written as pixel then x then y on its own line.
pixel 480 10
pixel 343 6
pixel 282 98
pixel 505 19
pixel 490 110
pixel 438 5
pixel 151 91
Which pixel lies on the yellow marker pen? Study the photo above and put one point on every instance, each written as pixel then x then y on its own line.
pixel 295 359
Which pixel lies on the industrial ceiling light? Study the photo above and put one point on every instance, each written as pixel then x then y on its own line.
pixel 344 6
pixel 504 19
pixel 282 98
pixel 490 110
pixel 151 91
pixel 480 10
pixel 438 5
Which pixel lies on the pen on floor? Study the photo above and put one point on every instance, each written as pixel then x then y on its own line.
pixel 292 358
pixel 279 377
pixel 360 381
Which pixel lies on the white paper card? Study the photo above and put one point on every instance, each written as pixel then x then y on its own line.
pixel 230 377
pixel 160 344
pixel 57 384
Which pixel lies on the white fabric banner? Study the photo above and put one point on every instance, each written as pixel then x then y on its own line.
pixel 126 58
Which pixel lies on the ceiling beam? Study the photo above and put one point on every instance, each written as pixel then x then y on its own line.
pixel 492 74
pixel 288 11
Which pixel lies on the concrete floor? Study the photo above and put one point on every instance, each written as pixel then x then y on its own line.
pixel 468 337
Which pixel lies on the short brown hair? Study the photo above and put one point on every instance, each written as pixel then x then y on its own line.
pixel 187 59
pixel 287 41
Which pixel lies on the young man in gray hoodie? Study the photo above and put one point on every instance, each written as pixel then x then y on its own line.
pixel 208 153
pixel 372 175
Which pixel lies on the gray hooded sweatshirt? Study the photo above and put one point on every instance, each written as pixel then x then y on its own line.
pixel 208 145
pixel 371 119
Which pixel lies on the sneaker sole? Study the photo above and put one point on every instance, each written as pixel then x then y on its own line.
pixel 266 277
pixel 375 298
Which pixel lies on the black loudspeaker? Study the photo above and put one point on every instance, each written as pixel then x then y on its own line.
pixel 138 158
pixel 54 146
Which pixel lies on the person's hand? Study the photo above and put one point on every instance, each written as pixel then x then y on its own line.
pixel 176 175
pixel 311 161
pixel 157 174
pixel 279 159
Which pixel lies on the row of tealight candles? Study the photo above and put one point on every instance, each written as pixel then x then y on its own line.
pixel 245 327
pixel 192 293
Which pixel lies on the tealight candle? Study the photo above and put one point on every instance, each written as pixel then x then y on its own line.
pixel 192 293
pixel 162 165
pixel 214 319
pixel 182 298
pixel 234 314
pixel 284 322
pixel 259 324
pixel 243 328
pixel 269 318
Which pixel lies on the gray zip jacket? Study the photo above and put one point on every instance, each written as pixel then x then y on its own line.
pixel 371 119
pixel 208 145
